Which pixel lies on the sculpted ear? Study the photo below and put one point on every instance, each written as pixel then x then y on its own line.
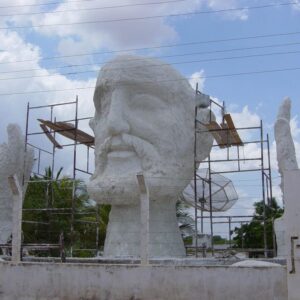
pixel 92 124
pixel 204 138
pixel 202 100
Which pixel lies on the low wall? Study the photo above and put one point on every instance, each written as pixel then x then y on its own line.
pixel 102 281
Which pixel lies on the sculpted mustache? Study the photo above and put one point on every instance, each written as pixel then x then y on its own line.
pixel 139 145
pixel 143 149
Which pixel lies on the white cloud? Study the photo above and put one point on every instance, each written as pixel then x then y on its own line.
pixel 295 129
pixel 296 5
pixel 13 107
pixel 110 35
pixel 228 4
pixel 197 78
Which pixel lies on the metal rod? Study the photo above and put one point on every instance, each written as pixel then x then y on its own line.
pixel 236 171
pixel 210 206
pixel 235 159
pixel 263 190
pixel 97 230
pixel 245 143
pixel 216 103
pixel 46 209
pixel 202 206
pixel 225 129
pixel 195 180
pixel 38 148
pixel 52 105
pixel 39 160
pixel 229 228
pixel 270 169
pixel 83 171
pixel 26 141
pixel 238 154
pixel 79 119
pixel 216 217
pixel 74 176
pixel 88 159
pixel 274 239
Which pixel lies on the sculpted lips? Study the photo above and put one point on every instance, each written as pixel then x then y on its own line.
pixel 119 149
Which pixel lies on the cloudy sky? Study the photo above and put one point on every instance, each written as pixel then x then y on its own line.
pixel 245 53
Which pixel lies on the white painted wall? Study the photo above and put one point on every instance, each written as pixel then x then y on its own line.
pixel 291 187
pixel 120 282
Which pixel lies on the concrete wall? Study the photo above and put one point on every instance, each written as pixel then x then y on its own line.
pixel 98 281
pixel 291 193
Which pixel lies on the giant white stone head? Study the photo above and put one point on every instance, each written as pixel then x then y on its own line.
pixel 144 122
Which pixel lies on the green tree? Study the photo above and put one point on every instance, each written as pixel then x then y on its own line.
pixel 185 222
pixel 251 235
pixel 48 210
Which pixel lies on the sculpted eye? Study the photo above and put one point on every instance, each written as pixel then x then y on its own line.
pixel 146 101
pixel 102 99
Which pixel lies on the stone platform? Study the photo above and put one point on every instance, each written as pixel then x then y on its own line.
pixel 173 280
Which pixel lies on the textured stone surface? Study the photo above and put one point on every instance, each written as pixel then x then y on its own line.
pixel 144 122
pixel 285 148
pixel 286 157
pixel 13 160
pixel 291 181
pixel 43 281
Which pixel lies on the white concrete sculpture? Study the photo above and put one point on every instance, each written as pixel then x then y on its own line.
pixel 13 161
pixel 286 157
pixel 285 148
pixel 144 122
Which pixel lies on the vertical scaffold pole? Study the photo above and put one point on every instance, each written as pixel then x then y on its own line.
pixel 195 178
pixel 74 176
pixel 229 228
pixel 270 170
pixel 263 188
pixel 210 207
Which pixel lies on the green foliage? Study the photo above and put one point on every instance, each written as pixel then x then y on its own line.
pixel 49 204
pixel 48 213
pixel 218 240
pixel 251 235
pixel 186 222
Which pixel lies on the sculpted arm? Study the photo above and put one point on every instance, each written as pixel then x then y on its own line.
pixel 285 148
pixel 13 160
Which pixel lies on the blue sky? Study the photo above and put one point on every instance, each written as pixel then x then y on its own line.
pixel 248 97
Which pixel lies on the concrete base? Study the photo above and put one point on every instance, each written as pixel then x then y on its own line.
pixel 45 281
pixel 123 235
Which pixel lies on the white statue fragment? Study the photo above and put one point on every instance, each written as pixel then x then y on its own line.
pixel 286 157
pixel 144 122
pixel 13 161
pixel 285 148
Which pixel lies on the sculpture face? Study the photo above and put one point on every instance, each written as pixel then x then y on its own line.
pixel 144 122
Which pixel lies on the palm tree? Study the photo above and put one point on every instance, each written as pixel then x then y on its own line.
pixel 51 207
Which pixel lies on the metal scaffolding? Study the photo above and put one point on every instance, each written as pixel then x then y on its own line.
pixel 68 129
pixel 226 137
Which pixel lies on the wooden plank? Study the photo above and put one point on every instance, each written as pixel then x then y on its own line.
pixel 216 131
pixel 69 131
pixel 50 137
pixel 226 135
pixel 235 136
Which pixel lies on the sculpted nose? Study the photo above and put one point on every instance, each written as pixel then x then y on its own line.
pixel 116 119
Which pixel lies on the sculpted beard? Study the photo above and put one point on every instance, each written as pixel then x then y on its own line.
pixel 150 158
pixel 115 188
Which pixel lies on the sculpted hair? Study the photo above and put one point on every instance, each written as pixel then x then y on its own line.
pixel 126 69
